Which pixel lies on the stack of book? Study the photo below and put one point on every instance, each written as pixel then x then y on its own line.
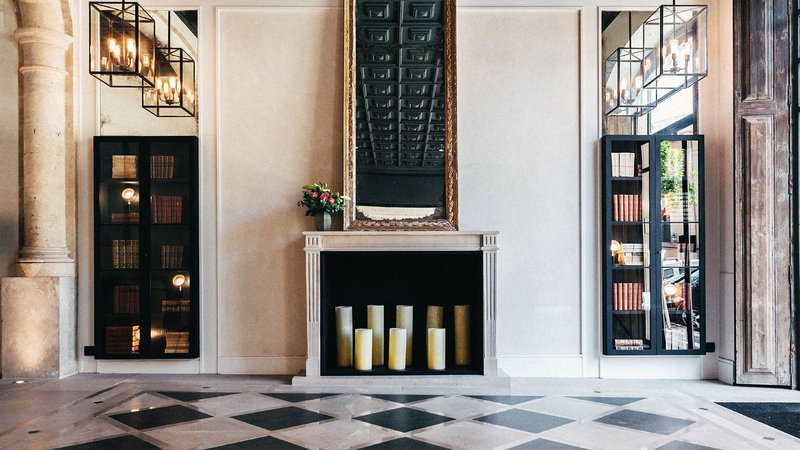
pixel 125 254
pixel 627 207
pixel 623 164
pixel 130 217
pixel 179 306
pixel 171 256
pixel 627 296
pixel 126 299
pixel 124 339
pixel 676 337
pixel 634 254
pixel 166 208
pixel 628 344
pixel 177 342
pixel 123 166
pixel 162 166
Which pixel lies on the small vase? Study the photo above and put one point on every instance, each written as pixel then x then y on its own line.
pixel 323 221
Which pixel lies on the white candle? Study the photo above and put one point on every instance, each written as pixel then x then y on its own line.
pixel 363 349
pixel 405 320
pixel 461 313
pixel 397 348
pixel 436 345
pixel 344 336
pixel 375 323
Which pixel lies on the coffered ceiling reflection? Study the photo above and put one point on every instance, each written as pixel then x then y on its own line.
pixel 400 86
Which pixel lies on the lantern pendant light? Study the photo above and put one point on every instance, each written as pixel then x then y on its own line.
pixel 677 39
pixel 122 44
pixel 173 91
pixel 624 73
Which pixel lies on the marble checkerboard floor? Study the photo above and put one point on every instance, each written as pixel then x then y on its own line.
pixel 182 412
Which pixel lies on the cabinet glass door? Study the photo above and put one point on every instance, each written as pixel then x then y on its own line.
pixel 680 244
pixel 629 310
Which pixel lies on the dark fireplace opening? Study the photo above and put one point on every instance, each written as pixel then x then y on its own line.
pixel 416 278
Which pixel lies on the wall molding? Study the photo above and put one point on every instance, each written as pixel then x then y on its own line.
pixel 726 371
pixel 176 367
pixel 546 366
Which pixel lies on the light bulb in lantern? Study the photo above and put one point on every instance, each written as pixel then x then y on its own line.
pixel 128 194
pixel 131 51
pixel 179 281
pixel 674 52
pixel 687 53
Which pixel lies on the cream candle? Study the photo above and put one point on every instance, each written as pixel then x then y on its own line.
pixel 436 345
pixel 434 318
pixel 461 314
pixel 344 336
pixel 363 356
pixel 405 320
pixel 397 348
pixel 375 323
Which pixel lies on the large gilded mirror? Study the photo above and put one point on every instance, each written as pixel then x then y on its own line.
pixel 400 115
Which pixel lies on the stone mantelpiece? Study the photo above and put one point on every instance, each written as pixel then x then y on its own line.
pixel 400 241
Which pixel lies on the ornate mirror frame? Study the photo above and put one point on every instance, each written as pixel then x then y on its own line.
pixel 450 221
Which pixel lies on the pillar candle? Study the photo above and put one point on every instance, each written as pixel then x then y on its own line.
pixel 344 336
pixel 375 323
pixel 435 314
pixel 363 359
pixel 436 344
pixel 405 320
pixel 397 348
pixel 461 313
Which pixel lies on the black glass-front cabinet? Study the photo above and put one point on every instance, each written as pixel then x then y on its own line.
pixel 146 247
pixel 653 245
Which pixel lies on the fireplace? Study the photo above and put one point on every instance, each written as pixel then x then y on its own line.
pixel 419 269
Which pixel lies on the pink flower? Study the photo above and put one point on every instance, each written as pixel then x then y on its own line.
pixel 331 200
pixel 323 196
pixel 313 194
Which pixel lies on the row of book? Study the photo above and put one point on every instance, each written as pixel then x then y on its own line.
pixel 122 339
pixel 166 208
pixel 126 299
pixel 179 306
pixel 623 165
pixel 171 256
pixel 177 342
pixel 682 300
pixel 125 254
pixel 627 296
pixel 634 254
pixel 126 217
pixel 162 166
pixel 123 166
pixel 627 207
pixel 629 344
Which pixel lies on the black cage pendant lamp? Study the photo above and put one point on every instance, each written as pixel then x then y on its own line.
pixel 624 73
pixel 122 44
pixel 173 93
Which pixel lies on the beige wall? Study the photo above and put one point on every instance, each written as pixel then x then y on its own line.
pixel 9 138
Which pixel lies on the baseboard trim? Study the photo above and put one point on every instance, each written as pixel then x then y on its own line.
pixel 726 371
pixel 545 366
pixel 174 367
pixel 261 365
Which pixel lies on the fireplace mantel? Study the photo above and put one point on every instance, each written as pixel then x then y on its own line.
pixel 399 241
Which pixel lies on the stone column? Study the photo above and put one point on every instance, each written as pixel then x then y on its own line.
pixel 45 251
pixel 38 307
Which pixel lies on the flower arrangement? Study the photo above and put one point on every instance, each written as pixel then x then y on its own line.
pixel 318 198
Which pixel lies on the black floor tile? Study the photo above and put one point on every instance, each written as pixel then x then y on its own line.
pixel 268 442
pixel 507 399
pixel 298 397
pixel 400 398
pixel 529 421
pixel 544 444
pixel 642 421
pixel 278 419
pixel 126 442
pixel 404 444
pixel 193 396
pixel 680 445
pixel 616 401
pixel 782 416
pixel 151 418
pixel 403 419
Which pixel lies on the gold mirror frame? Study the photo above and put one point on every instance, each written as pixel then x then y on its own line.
pixel 450 222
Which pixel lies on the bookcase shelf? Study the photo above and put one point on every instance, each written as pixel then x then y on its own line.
pixel 656 304
pixel 149 307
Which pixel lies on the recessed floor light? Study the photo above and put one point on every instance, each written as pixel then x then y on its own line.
pixel 19 382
